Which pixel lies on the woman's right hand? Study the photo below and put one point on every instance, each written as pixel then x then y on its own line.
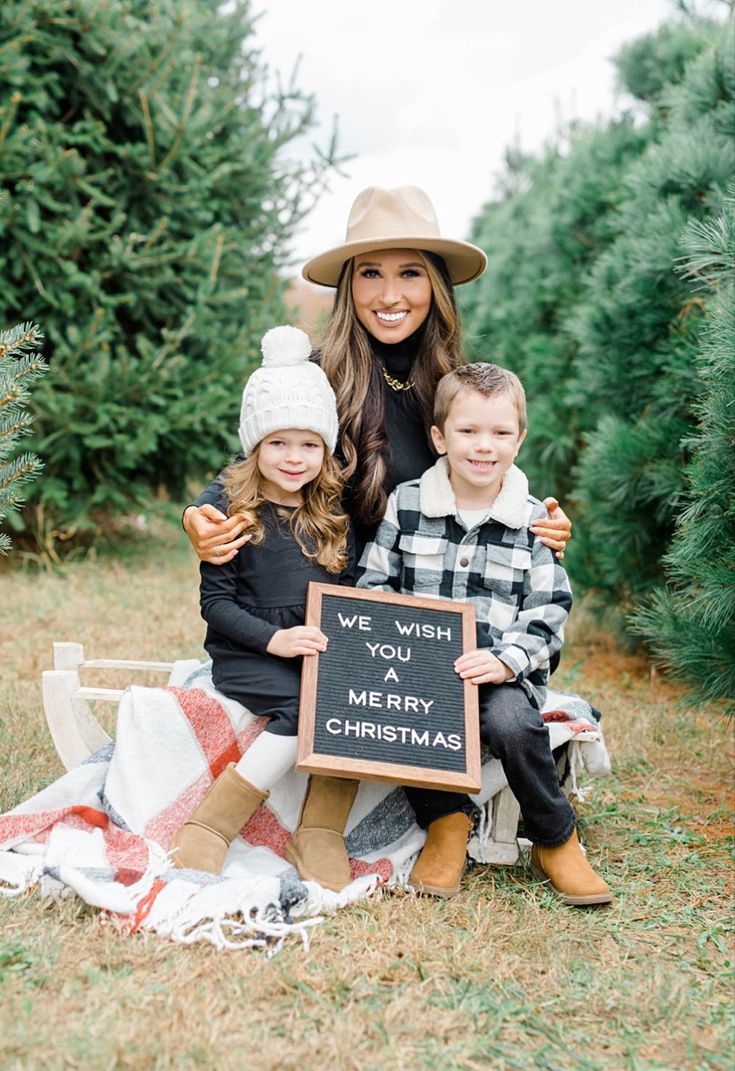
pixel 215 537
pixel 299 640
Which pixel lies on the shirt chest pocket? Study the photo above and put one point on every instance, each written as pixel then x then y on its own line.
pixel 506 570
pixel 423 561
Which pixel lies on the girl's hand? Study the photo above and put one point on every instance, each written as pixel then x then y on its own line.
pixel 215 537
pixel 482 667
pixel 555 530
pixel 300 640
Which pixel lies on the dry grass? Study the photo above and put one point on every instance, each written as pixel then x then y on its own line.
pixel 502 977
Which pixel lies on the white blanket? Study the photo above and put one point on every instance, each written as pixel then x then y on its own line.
pixel 103 830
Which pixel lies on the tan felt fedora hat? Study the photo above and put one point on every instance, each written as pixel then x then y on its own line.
pixel 403 218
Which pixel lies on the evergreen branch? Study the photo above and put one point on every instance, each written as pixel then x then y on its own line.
pixel 214 270
pixel 15 100
pixel 16 427
pixel 175 340
pixel 19 470
pixel 148 124
pixel 711 245
pixel 17 367
pixel 18 339
pixel 181 124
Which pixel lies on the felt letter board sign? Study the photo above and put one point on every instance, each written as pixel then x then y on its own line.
pixel 384 702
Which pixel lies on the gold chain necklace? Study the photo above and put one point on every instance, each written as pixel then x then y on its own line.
pixel 396 384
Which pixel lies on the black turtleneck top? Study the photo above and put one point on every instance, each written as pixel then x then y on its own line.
pixel 409 453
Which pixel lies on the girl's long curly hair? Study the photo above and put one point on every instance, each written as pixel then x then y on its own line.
pixel 319 524
pixel 347 358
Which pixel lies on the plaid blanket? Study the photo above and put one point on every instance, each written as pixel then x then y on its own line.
pixel 103 829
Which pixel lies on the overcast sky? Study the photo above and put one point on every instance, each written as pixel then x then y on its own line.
pixel 431 92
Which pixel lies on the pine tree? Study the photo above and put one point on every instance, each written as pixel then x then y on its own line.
pixel 690 624
pixel 636 331
pixel 542 239
pixel 20 364
pixel 150 182
pixel 582 298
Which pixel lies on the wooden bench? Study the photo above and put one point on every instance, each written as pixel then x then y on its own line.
pixel 77 734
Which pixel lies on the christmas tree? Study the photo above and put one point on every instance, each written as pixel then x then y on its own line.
pixel 583 299
pixel 690 624
pixel 151 178
pixel 20 364
pixel 636 330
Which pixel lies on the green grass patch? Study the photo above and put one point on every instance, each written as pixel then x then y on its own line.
pixel 504 976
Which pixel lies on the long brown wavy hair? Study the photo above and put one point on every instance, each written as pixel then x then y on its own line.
pixel 347 358
pixel 319 524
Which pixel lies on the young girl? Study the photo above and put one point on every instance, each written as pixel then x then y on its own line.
pixel 289 486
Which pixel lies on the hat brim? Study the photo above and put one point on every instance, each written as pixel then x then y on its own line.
pixel 464 261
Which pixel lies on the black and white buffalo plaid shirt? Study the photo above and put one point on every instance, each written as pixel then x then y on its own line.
pixel 520 592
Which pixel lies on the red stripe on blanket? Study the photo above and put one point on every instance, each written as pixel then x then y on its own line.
pixel 145 905
pixel 126 876
pixel 91 816
pixel 124 850
pixel 575 725
pixel 212 727
pixel 555 715
pixel 13 826
pixel 162 826
pixel 382 867
pixel 265 831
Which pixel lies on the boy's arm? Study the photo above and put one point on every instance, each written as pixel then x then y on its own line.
pixel 380 565
pixel 538 631
pixel 217 585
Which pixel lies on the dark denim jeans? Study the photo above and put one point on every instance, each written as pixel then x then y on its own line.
pixel 515 733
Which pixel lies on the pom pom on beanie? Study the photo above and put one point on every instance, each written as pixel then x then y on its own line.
pixel 284 345
pixel 287 391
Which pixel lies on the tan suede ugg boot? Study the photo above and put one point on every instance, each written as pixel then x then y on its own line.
pixel 202 841
pixel 438 870
pixel 317 847
pixel 569 874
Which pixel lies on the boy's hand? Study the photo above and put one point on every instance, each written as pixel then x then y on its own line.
pixel 215 537
pixel 482 667
pixel 299 640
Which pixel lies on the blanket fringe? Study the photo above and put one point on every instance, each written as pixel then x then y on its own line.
pixel 262 928
pixel 484 829
pixel 18 873
pixel 576 766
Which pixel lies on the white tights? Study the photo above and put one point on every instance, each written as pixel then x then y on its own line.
pixel 268 759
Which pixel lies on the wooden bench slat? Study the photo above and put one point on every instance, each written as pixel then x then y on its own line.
pixel 118 663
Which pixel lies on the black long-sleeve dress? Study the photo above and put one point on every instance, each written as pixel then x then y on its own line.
pixel 245 602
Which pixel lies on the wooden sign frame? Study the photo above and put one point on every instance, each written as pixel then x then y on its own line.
pixel 312 760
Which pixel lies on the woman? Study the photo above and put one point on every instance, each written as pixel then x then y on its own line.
pixel 393 333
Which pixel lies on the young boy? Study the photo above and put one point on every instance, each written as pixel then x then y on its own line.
pixel 462 532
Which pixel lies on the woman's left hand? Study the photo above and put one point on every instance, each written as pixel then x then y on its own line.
pixel 555 530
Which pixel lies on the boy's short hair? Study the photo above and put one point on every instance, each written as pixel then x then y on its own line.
pixel 486 379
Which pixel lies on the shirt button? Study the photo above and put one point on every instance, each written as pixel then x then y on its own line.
pixel 464 562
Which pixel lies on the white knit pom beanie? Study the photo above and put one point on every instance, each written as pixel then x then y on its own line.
pixel 287 391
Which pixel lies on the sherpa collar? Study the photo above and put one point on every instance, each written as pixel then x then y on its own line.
pixel 437 498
